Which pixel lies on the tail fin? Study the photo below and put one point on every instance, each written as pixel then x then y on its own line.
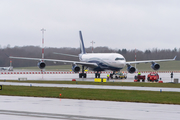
pixel 82 48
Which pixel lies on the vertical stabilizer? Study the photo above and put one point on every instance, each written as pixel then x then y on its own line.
pixel 82 48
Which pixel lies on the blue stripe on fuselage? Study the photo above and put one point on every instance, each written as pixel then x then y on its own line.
pixel 103 67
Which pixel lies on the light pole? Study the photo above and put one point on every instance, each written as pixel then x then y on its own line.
pixel 43 42
pixel 92 45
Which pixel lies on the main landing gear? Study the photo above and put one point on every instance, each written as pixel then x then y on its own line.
pixel 97 75
pixel 82 75
pixel 111 75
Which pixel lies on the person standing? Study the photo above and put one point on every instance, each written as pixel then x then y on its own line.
pixel 107 77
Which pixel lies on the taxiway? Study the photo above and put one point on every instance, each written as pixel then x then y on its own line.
pixel 36 108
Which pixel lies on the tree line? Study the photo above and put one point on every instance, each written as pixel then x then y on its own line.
pixel 36 52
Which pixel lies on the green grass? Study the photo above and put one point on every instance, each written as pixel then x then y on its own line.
pixel 140 84
pixel 94 94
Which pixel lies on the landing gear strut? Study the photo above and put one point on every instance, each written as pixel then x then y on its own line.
pixel 111 75
pixel 97 75
pixel 82 74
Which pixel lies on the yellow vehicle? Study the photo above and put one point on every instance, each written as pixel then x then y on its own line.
pixel 118 75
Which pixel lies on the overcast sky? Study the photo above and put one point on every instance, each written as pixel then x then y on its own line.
pixel 117 24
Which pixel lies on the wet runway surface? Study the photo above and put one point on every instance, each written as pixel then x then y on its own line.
pixel 20 108
pixel 162 89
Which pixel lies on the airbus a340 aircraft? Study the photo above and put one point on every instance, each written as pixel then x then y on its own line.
pixel 98 62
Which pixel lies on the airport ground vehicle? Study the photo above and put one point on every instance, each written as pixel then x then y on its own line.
pixel 139 77
pixel 118 75
pixel 153 76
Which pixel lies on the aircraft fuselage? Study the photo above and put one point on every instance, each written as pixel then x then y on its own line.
pixel 105 61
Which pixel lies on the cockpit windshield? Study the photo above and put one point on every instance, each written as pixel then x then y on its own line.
pixel 119 59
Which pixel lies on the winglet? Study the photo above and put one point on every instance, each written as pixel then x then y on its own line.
pixel 174 58
pixel 82 48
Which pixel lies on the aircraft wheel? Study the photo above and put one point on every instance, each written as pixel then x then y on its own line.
pixel 98 75
pixel 111 76
pixel 95 75
pixel 80 75
pixel 85 75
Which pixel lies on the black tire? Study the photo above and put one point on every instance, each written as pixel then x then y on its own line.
pixel 84 75
pixel 111 76
pixel 80 75
pixel 116 77
pixel 98 75
pixel 143 80
pixel 95 75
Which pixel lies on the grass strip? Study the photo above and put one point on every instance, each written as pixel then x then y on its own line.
pixel 140 84
pixel 94 94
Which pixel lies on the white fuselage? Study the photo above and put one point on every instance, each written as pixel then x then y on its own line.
pixel 106 61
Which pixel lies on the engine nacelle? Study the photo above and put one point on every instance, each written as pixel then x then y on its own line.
pixel 131 69
pixel 41 65
pixel 155 66
pixel 75 68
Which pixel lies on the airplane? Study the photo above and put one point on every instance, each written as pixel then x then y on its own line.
pixel 97 62
pixel 10 68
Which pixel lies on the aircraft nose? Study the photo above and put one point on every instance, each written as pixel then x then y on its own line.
pixel 122 63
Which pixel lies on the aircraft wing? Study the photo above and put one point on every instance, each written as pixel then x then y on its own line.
pixel 65 54
pixel 150 61
pixel 54 60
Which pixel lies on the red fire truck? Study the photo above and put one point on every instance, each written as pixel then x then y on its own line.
pixel 153 76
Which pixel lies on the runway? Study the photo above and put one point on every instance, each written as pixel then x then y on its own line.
pixel 162 89
pixel 36 108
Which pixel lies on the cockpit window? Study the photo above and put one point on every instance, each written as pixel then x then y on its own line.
pixel 119 59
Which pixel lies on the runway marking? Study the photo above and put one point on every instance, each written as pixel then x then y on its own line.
pixel 54 116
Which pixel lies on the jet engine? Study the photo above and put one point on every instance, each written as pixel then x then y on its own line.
pixel 41 65
pixel 131 69
pixel 75 68
pixel 155 66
